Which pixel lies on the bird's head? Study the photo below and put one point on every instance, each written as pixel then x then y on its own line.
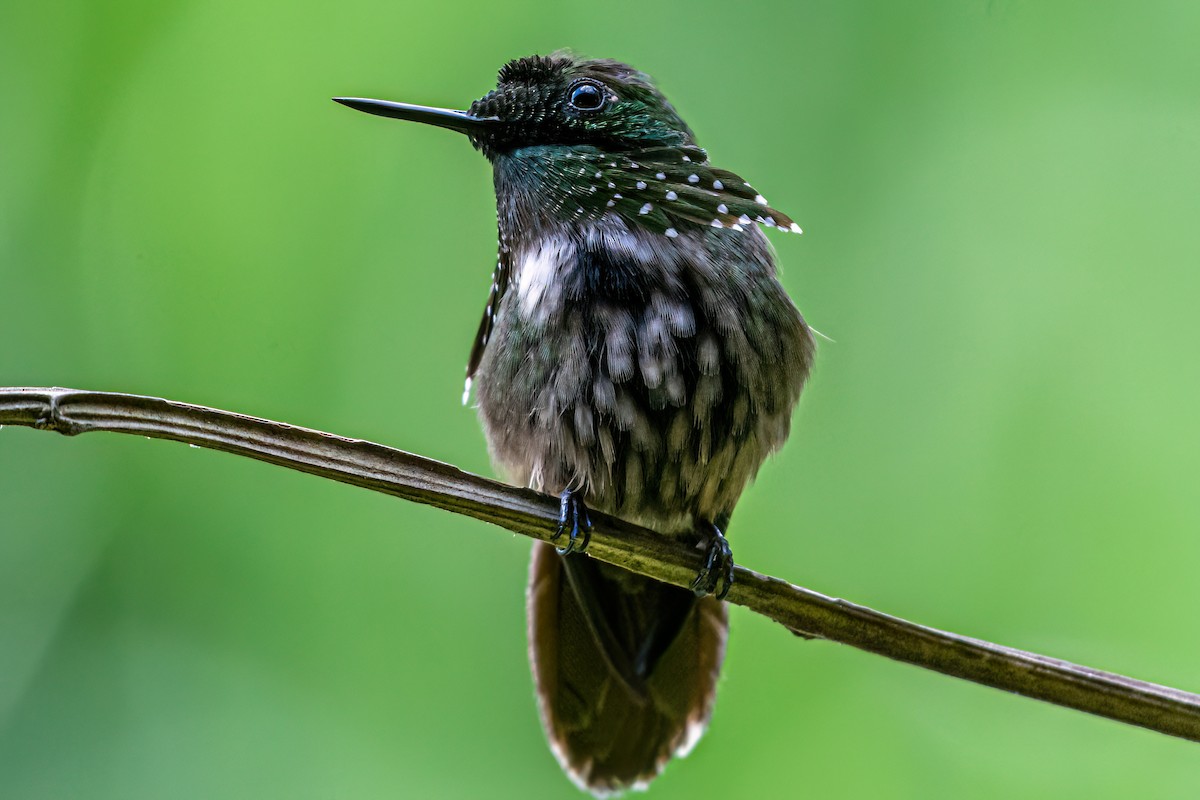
pixel 552 100
pixel 603 138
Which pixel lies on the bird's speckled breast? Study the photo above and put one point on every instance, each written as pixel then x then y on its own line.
pixel 655 373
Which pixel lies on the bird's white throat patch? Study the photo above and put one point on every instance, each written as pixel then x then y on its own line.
pixel 538 273
pixel 541 266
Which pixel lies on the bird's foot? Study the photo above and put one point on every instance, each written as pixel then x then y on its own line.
pixel 573 520
pixel 716 576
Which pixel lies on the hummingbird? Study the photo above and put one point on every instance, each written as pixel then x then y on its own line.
pixel 637 355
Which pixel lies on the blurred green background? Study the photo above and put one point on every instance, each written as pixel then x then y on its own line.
pixel 1000 202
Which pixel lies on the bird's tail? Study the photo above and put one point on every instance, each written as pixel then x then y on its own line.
pixel 625 668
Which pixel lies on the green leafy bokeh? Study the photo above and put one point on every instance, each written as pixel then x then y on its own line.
pixel 1000 202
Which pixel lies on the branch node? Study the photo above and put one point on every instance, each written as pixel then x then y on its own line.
pixel 53 419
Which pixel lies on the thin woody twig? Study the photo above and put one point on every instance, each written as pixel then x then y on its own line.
pixel 384 469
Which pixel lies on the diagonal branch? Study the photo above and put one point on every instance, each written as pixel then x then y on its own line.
pixel 384 469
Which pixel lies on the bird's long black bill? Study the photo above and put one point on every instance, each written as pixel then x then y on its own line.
pixel 441 117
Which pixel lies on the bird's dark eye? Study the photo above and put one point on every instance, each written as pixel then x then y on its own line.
pixel 586 97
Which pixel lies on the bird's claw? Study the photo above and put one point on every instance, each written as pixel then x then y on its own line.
pixel 716 576
pixel 573 520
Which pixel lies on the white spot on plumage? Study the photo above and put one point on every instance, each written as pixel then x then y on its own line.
pixel 693 178
pixel 617 197
pixel 641 184
pixel 671 233
pixel 672 196
pixel 745 220
pixel 610 203
pixel 539 268
pixel 695 730
pixel 467 392
pixel 645 209
pixel 662 176
pixel 716 223
pixel 737 227
pixel 612 185
pixel 722 209
pixel 633 165
pixel 685 158
pixel 598 175
pixel 795 228
pixel 718 185
pixel 758 198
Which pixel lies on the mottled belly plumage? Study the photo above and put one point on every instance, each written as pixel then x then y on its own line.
pixel 655 388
